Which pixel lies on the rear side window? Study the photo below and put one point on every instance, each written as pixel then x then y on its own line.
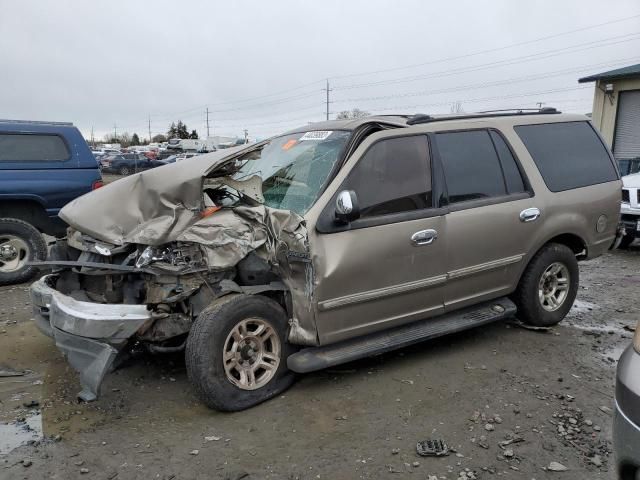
pixel 568 155
pixel 32 147
pixel 393 176
pixel 471 166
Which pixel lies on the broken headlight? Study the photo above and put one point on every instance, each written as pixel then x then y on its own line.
pixel 152 254
pixel 181 255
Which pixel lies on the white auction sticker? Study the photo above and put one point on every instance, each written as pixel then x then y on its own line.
pixel 317 135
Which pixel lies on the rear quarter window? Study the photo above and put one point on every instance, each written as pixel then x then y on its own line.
pixel 568 154
pixel 32 147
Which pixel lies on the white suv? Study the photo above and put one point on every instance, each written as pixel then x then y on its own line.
pixel 630 208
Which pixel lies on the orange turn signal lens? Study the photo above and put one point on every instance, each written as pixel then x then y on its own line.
pixel 207 212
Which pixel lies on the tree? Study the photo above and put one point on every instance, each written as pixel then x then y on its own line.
pixel 355 113
pixel 159 138
pixel 178 130
pixel 172 132
pixel 194 135
pixel 182 130
pixel 135 139
pixel 125 139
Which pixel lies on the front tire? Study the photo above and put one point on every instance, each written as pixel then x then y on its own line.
pixel 236 352
pixel 124 171
pixel 20 242
pixel 548 286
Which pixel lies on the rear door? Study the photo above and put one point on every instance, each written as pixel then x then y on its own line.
pixel 492 214
pixel 388 266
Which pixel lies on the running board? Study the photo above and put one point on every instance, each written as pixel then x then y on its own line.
pixel 317 358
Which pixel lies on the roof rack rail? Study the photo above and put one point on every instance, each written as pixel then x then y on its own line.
pixel 422 118
pixel 33 122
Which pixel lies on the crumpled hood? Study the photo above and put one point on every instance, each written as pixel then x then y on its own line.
pixel 150 208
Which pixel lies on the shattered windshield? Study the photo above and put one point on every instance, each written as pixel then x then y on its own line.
pixel 294 168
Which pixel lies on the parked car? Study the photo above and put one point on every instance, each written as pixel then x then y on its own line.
pixel 626 425
pixel 127 163
pixel 630 208
pixel 43 166
pixel 330 243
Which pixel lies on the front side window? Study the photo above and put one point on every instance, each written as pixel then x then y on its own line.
pixel 32 147
pixel 393 176
pixel 568 154
pixel 294 168
pixel 471 165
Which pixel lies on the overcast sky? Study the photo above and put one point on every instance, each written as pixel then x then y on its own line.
pixel 262 65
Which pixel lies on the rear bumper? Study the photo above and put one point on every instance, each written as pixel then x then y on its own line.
pixel 89 334
pixel 626 426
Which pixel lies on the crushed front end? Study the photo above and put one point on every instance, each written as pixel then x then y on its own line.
pixel 141 270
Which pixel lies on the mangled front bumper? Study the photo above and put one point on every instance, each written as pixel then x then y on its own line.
pixel 90 335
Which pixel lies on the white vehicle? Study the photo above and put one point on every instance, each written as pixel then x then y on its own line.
pixel 184 156
pixel 630 208
pixel 192 145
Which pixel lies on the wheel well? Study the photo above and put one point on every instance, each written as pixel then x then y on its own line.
pixel 574 242
pixel 27 210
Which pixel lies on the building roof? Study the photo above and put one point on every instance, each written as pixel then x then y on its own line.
pixel 630 71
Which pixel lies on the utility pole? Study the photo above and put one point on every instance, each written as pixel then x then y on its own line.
pixel 328 102
pixel 540 104
pixel 246 136
pixel 93 142
pixel 207 122
pixel 115 131
pixel 149 128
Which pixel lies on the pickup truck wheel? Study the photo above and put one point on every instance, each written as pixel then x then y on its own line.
pixel 627 240
pixel 124 171
pixel 20 243
pixel 548 286
pixel 236 352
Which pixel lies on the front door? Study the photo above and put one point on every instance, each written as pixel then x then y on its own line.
pixel 388 267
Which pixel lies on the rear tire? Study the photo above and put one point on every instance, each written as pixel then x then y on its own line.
pixel 20 242
pixel 124 171
pixel 229 363
pixel 627 240
pixel 548 286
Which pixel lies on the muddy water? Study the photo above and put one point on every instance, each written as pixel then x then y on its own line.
pixel 36 383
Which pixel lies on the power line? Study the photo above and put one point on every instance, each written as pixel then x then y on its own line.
pixel 492 84
pixel 501 63
pixel 491 50
pixel 405 67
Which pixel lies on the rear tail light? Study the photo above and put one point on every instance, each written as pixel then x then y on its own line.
pixel 97 184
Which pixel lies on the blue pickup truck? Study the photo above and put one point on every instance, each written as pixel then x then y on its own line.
pixel 43 166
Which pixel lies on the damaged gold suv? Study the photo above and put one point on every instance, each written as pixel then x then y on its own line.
pixel 330 243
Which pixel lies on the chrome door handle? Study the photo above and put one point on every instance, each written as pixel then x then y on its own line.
pixel 424 237
pixel 529 214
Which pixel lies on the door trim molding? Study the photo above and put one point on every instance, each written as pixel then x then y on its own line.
pixel 482 267
pixel 416 285
pixel 381 292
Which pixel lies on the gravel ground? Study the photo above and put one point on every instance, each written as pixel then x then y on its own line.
pixel 508 401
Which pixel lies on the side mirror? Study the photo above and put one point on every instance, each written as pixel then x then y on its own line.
pixel 347 208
